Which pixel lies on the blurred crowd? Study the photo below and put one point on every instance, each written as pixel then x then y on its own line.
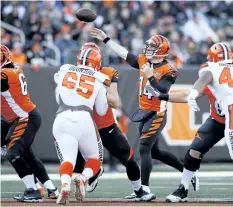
pixel 191 27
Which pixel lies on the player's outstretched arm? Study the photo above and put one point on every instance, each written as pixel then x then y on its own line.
pixel 113 96
pixel 204 79
pixel 118 49
pixel 101 103
pixel 130 58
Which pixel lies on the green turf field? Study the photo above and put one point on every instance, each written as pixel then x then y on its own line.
pixel 216 183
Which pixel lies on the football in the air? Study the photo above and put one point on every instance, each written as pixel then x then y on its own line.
pixel 86 15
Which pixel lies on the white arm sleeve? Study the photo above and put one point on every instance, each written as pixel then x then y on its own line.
pixel 101 103
pixel 118 49
pixel 57 95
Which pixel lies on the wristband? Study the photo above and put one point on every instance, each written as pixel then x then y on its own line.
pixel 106 40
pixel 164 97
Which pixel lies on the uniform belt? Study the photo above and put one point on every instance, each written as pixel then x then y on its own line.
pixel 63 108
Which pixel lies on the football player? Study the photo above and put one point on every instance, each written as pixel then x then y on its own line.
pixel 211 132
pixel 19 124
pixel 79 89
pixel 152 112
pixel 112 137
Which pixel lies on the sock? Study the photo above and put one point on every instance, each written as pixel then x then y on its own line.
pixel 49 185
pixel 136 185
pixel 186 178
pixel 29 181
pixel 87 173
pixel 66 172
pixel 38 186
pixel 65 179
pixel 91 168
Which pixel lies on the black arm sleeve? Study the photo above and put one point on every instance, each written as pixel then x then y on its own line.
pixel 115 77
pixel 4 82
pixel 163 86
pixel 132 60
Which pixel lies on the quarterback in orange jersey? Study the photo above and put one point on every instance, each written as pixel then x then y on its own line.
pixel 112 137
pixel 20 121
pixel 211 132
pixel 152 111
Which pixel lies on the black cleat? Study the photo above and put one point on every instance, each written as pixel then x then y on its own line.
pixel 53 194
pixel 30 196
pixel 142 195
pixel 93 181
pixel 178 195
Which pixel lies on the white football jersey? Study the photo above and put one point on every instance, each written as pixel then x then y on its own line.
pixel 222 84
pixel 81 86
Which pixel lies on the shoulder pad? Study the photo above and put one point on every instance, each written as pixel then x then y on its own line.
pixel 204 65
pixel 66 67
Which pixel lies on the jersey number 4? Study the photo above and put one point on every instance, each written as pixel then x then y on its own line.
pixel 226 77
pixel 85 84
pixel 142 90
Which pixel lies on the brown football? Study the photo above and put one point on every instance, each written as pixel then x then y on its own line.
pixel 86 15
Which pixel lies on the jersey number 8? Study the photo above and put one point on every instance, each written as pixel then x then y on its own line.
pixel 85 84
pixel 23 84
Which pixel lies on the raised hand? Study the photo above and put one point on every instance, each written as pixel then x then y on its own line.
pixel 98 33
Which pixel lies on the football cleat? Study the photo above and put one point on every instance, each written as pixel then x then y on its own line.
pixel 53 193
pixel 42 191
pixel 178 195
pixel 80 184
pixel 195 182
pixel 64 196
pixel 132 196
pixel 30 196
pixel 142 195
pixel 93 181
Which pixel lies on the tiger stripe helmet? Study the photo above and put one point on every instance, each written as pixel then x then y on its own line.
pixel 157 46
pixel 89 55
pixel 219 52
pixel 5 56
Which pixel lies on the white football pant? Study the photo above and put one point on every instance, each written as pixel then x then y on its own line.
pixel 73 131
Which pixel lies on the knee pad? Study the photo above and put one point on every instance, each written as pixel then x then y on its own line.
pixel 12 156
pixel 191 163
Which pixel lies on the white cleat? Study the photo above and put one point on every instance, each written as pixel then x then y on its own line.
pixel 132 196
pixel 179 195
pixel 64 196
pixel 93 182
pixel 80 183
pixel 195 182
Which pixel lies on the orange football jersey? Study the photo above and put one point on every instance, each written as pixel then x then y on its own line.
pixel 146 100
pixel 108 119
pixel 15 102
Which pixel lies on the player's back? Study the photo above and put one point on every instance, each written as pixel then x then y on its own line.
pixel 15 102
pixel 222 83
pixel 79 86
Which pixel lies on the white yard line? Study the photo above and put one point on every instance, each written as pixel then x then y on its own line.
pixel 116 176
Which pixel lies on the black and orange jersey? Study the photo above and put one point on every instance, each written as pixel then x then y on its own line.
pixel 15 100
pixel 108 119
pixel 163 73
